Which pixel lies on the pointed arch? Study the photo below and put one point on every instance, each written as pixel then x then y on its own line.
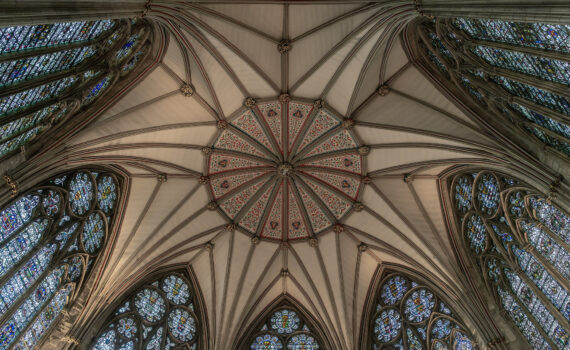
pixel 405 310
pixel 163 310
pixel 50 73
pixel 50 239
pixel 283 324
pixel 518 243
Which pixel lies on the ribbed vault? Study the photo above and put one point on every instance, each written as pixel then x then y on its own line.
pixel 218 55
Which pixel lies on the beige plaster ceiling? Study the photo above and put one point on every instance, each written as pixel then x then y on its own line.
pixel 341 54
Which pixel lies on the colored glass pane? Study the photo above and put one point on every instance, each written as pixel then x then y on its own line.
pixel 176 289
pixel 548 247
pixel 181 325
pixel 285 321
pixel 17 214
pixel 488 194
pixel 516 204
pixel 387 325
pixel 413 342
pixel 97 89
pixel 462 342
pixel 441 328
pixel 81 193
pixel 553 218
pixel 106 341
pixel 538 35
pixel 127 327
pixel 302 342
pixel 50 35
pixel 93 233
pixel 19 141
pixel 127 67
pixel 18 126
pixel 419 305
pixel 476 233
pixel 266 342
pixel 437 62
pixel 19 246
pixel 150 305
pixel 394 289
pixel 127 47
pixel 463 190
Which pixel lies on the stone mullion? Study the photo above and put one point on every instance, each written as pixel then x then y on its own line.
pixel 551 134
pixel 547 112
pixel 530 249
pixel 436 52
pixel 528 314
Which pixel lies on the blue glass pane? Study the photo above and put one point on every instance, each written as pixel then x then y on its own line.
pixel 436 42
pixel 17 214
pixel 476 233
pixel 81 193
pixel 471 89
pixel 487 194
pixel 50 35
pixel 516 204
pixel 266 342
pixel 127 327
pixel 552 218
pixel 542 67
pixel 441 328
pixel 302 342
pixel 19 141
pixel 106 193
pixel 503 234
pixel 176 290
pixel 46 319
pixel 539 311
pixel 25 313
pixel 64 235
pixel 285 321
pixel 51 202
pixel 463 189
pixel 22 244
pixel 93 233
pixel 549 140
pixel 545 122
pixel 17 126
pixel 414 342
pixel 437 62
pixel 127 47
pixel 97 89
pixel 150 305
pixel 462 342
pixel 155 342
pixel 527 328
pixel 12 72
pixel 106 341
pixel 28 98
pixel 419 305
pixel 544 281
pixel 25 277
pixel 548 247
pixel 387 325
pixel 181 325
pixel 538 35
pixel 393 290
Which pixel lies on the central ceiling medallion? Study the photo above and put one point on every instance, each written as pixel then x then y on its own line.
pixel 285 169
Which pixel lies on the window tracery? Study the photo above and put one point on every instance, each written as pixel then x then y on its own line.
pixel 158 315
pixel 285 328
pixel 50 72
pixel 519 242
pixel 521 71
pixel 49 238
pixel 409 315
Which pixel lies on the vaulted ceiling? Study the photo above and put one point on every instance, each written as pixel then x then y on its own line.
pixel 341 54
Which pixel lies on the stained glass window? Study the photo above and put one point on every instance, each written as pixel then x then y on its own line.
pixel 40 270
pixel 526 256
pixel 158 315
pixel 410 315
pixel 46 74
pixel 285 328
pixel 522 69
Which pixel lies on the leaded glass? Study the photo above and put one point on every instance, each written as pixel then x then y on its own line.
pixel 81 187
pixel 284 328
pixel 463 190
pixel 406 312
pixel 531 237
pixel 40 275
pixel 476 233
pixel 41 65
pixel 506 64
pixel 158 315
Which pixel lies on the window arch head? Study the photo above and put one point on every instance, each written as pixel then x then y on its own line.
pixel 407 314
pixel 50 238
pixel 50 72
pixel 518 72
pixel 519 243
pixel 163 313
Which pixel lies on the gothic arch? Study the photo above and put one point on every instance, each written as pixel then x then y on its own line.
pixel 176 315
pixel 389 321
pixel 304 325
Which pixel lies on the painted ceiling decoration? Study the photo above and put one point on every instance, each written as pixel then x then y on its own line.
pixel 520 71
pixel 50 238
pixel 285 169
pixel 520 242
pixel 283 149
pixel 51 72
pixel 410 315
pixel 158 315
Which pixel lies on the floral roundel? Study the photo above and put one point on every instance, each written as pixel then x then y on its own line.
pixel 285 170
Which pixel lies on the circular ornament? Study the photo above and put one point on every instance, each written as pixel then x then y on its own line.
pixel 393 290
pixel 302 342
pixel 150 305
pixel 93 233
pixel 127 327
pixel 387 325
pixel 285 321
pixel 106 341
pixel 463 193
pixel 487 194
pixel 441 328
pixel 80 193
pixel 266 342
pixel 476 233
pixel 176 290
pixel 418 305
pixel 181 325
pixel 51 203
pixel 106 193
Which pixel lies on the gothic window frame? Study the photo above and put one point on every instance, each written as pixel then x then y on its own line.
pixel 45 119
pixel 61 220
pixel 415 282
pixel 504 240
pixel 254 329
pixel 449 59
pixel 100 323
